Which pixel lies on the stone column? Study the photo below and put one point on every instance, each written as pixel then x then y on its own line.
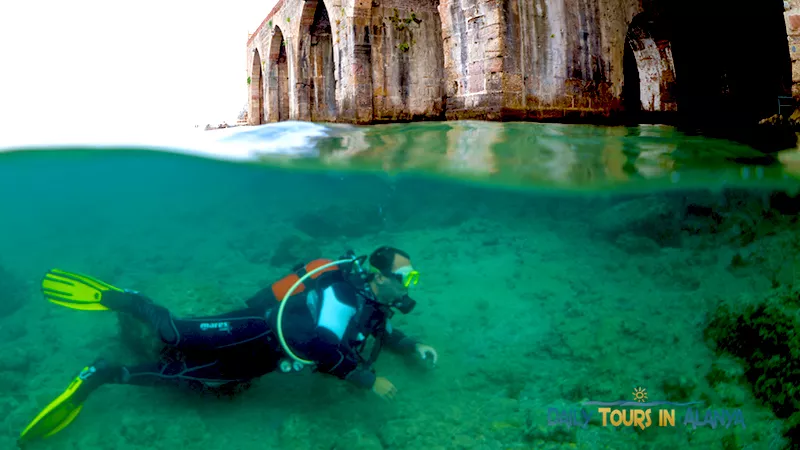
pixel 792 14
pixel 472 34
pixel 361 68
pixel 352 35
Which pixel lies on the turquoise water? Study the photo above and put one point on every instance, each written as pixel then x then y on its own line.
pixel 560 264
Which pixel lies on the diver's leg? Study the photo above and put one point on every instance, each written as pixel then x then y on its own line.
pixel 146 310
pixel 194 333
pixel 223 331
pixel 176 373
pixel 62 411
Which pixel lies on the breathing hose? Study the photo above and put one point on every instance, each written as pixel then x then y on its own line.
pixel 283 305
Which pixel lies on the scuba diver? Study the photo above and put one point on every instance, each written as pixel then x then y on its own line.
pixel 320 316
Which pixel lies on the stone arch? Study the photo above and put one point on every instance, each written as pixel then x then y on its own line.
pixel 316 67
pixel 649 68
pixel 256 91
pixel 408 59
pixel 278 82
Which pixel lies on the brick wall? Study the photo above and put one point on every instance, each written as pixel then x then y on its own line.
pixel 793 31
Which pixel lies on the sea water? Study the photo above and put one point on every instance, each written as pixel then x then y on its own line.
pixel 560 264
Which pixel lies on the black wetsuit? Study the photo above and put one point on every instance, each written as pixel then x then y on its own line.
pixel 328 325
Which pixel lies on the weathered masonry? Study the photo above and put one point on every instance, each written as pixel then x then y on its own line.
pixel 364 61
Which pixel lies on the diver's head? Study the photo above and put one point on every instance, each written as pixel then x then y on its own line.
pixel 390 276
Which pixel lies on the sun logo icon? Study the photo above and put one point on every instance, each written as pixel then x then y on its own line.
pixel 640 394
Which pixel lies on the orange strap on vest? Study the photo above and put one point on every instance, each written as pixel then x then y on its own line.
pixel 282 286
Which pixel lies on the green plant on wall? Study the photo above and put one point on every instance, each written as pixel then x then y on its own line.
pixel 270 23
pixel 403 24
pixel 248 81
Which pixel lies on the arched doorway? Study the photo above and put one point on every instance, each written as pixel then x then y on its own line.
pixel 316 81
pixel 256 91
pixel 649 69
pixel 278 78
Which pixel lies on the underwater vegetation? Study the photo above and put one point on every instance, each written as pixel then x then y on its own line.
pixel 761 332
pixel 764 337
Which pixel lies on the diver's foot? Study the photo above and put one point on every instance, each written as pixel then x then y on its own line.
pixel 65 408
pixel 95 375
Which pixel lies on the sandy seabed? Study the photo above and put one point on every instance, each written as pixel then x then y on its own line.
pixel 531 305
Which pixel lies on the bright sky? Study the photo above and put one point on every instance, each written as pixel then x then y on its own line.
pixel 66 64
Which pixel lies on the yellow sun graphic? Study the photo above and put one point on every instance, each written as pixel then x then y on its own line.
pixel 640 394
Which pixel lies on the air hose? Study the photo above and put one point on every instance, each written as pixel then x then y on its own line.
pixel 289 294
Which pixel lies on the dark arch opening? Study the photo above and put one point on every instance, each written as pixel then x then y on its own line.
pixel 631 96
pixel 732 64
pixel 316 85
pixel 278 78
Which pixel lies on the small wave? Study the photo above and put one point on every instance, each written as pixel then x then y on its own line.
pixel 243 144
pixel 292 139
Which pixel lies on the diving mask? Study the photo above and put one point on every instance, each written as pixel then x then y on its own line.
pixel 407 276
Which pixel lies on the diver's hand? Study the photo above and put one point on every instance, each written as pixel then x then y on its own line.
pixel 384 388
pixel 424 350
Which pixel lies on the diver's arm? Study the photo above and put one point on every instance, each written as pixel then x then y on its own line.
pixel 334 358
pixel 327 348
pixel 398 341
pixel 262 300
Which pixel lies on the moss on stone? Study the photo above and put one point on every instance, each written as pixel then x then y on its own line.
pixel 765 337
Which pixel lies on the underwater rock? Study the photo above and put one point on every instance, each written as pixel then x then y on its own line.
pixel 356 439
pixel 253 245
pixel 15 359
pixel 7 406
pixel 294 250
pixel 13 330
pixel 636 244
pixel 13 293
pixel 652 217
pixel 773 257
pixel 13 383
pixel 739 216
pixel 680 389
pixel 341 221
pixel 765 337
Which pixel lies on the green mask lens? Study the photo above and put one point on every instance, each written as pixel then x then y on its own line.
pixel 407 276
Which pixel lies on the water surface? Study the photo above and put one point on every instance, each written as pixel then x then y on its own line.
pixel 560 264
